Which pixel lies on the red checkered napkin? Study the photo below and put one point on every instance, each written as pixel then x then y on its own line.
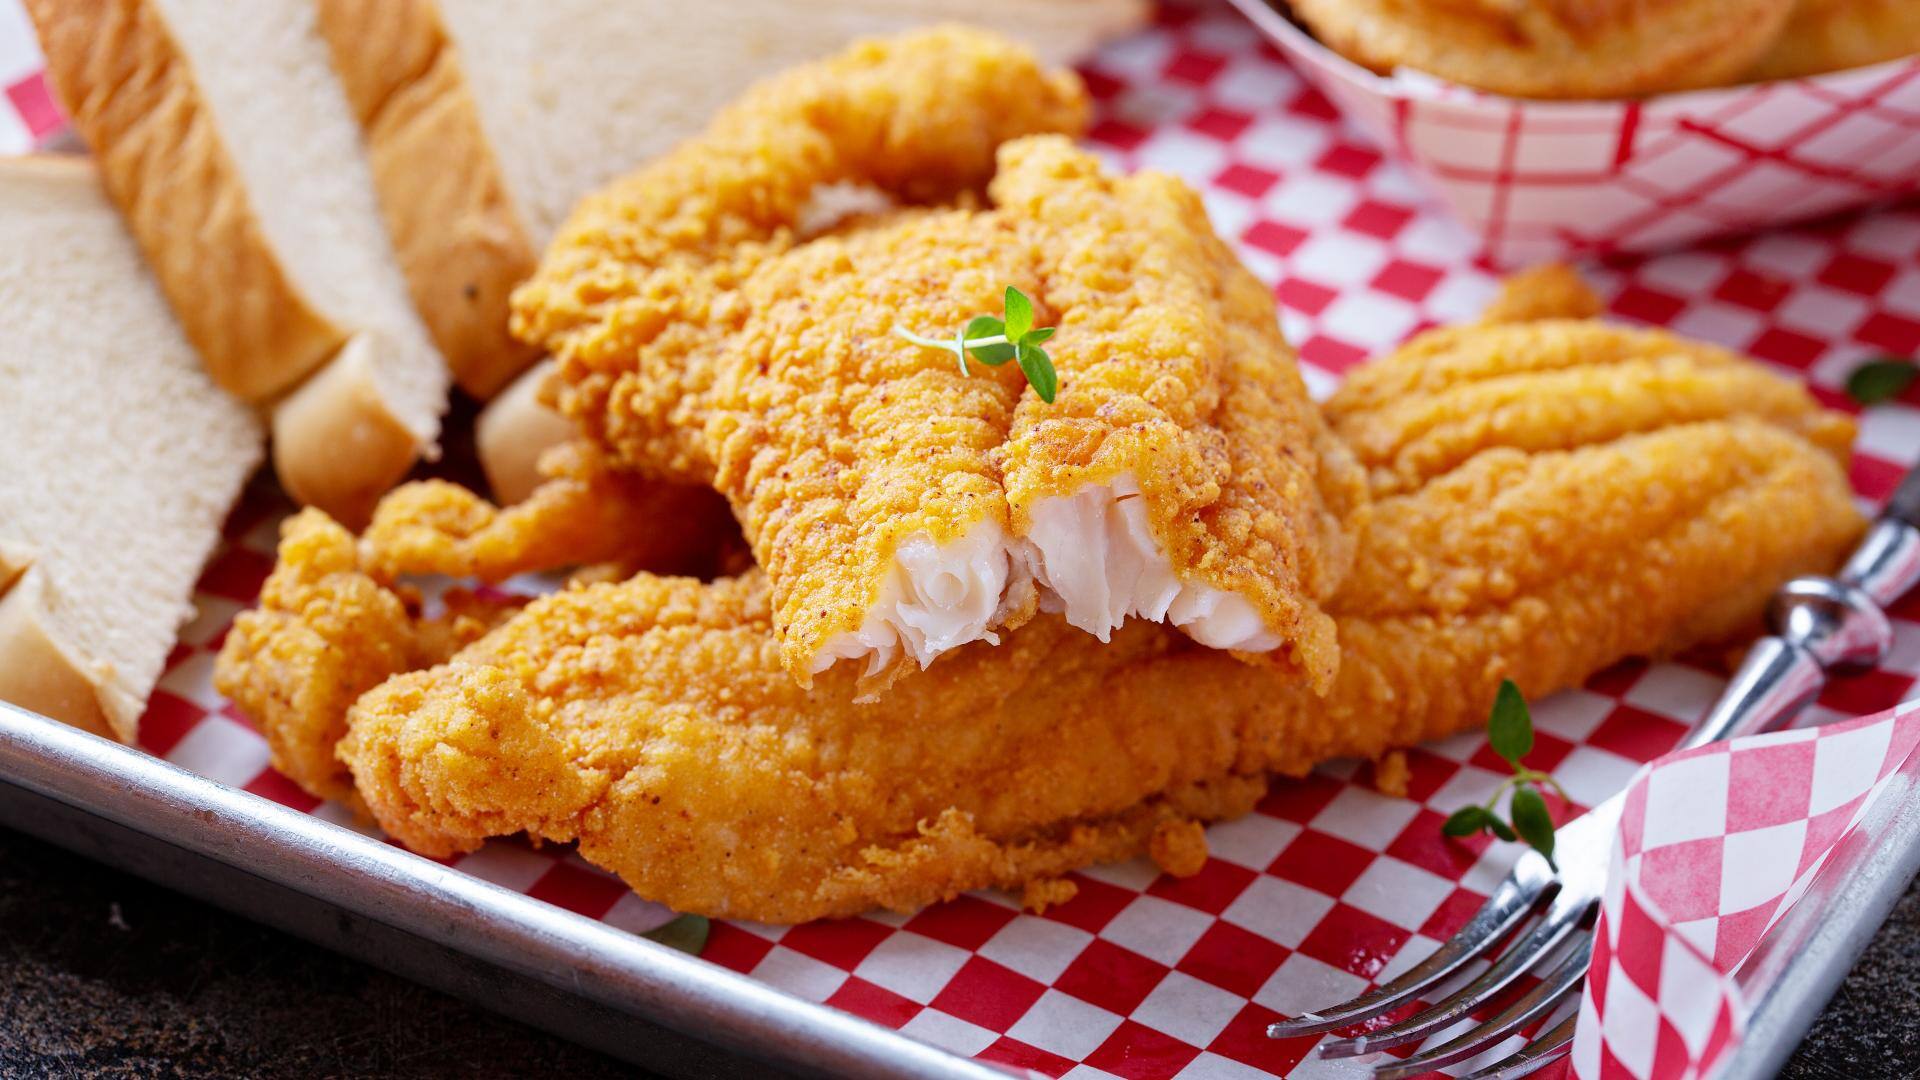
pixel 1545 179
pixel 1715 845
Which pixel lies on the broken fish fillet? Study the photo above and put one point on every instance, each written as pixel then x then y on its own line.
pixel 902 502
pixel 651 720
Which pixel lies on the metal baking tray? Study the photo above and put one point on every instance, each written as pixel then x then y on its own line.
pixel 643 1002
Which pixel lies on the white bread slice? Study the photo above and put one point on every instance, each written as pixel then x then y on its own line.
pixel 121 457
pixel 487 120
pixel 513 431
pixel 227 141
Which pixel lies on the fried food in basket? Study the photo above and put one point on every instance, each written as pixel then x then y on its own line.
pixel 651 720
pixel 904 501
pixel 1833 35
pixel 1555 48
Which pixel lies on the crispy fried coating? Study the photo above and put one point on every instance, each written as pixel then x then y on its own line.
pixel 651 720
pixel 324 634
pixel 643 279
pixel 837 442
pixel 901 502
pixel 1833 35
pixel 1175 380
pixel 1549 384
pixel 586 512
pixel 1554 48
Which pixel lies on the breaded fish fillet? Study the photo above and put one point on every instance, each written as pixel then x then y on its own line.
pixel 1183 474
pixel 643 278
pixel 651 720
pixel 904 503
pixel 1833 35
pixel 1554 48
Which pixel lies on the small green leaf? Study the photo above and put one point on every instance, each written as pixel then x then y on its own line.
pixel 983 326
pixel 1466 821
pixel 1510 727
pixel 1038 334
pixel 688 933
pixel 1019 314
pixel 1038 367
pixel 1881 379
pixel 1531 820
pixel 1500 829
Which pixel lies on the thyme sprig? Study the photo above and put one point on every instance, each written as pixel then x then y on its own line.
pixel 1510 733
pixel 995 341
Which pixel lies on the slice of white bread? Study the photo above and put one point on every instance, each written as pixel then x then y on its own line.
pixel 120 456
pixel 513 431
pixel 228 143
pixel 487 119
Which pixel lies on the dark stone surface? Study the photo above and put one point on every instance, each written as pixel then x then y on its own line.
pixel 104 975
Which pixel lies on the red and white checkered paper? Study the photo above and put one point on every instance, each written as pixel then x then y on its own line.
pixel 1715 845
pixel 1548 179
pixel 1329 885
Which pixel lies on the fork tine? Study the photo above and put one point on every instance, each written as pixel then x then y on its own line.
pixel 1512 899
pixel 1524 1010
pixel 1561 918
pixel 1536 1055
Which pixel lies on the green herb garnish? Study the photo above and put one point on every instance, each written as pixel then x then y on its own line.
pixel 1881 378
pixel 1510 732
pixel 995 341
pixel 688 933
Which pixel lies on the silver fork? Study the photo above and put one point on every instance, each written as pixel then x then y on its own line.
pixel 1820 625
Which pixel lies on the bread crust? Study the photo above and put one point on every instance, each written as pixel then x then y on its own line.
pixel 461 240
pixel 37 673
pixel 336 443
pixel 126 83
pixel 512 433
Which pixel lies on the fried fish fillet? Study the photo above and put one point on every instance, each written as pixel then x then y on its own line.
pixel 651 721
pixel 903 502
pixel 1833 35
pixel 1554 48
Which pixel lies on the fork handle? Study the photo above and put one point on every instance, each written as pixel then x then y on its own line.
pixel 1823 625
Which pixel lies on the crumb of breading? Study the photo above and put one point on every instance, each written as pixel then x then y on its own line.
pixel 1178 848
pixel 1548 291
pixel 1043 893
pixel 1391 774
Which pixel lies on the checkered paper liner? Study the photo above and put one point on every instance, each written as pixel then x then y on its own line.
pixel 1544 180
pixel 1715 845
pixel 1329 885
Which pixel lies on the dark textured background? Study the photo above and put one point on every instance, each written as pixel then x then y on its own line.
pixel 102 974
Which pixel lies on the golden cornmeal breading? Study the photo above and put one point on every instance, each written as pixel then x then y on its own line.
pixel 585 512
pixel 1833 35
pixel 643 277
pixel 324 634
pixel 1557 49
pixel 1551 384
pixel 836 440
pixel 1173 371
pixel 651 720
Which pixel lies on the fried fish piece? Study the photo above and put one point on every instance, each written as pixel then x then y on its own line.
pixel 902 505
pixel 651 721
pixel 325 633
pixel 1554 48
pixel 904 502
pixel 1182 475
pixel 1833 35
pixel 643 280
